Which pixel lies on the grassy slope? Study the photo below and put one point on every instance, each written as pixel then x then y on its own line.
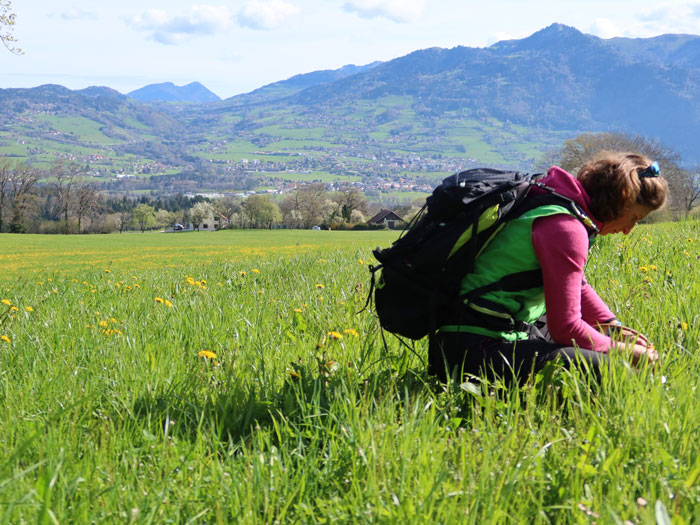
pixel 107 413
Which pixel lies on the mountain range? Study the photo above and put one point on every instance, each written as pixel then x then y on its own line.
pixel 501 105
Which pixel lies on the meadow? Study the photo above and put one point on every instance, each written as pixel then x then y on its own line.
pixel 232 377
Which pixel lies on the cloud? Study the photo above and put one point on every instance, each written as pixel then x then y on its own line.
pixel 77 14
pixel 604 28
pixel 167 28
pixel 677 17
pixel 265 14
pixel 399 11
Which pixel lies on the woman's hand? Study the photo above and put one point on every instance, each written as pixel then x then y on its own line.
pixel 639 352
pixel 629 340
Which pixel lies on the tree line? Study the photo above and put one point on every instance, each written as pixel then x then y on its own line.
pixel 62 199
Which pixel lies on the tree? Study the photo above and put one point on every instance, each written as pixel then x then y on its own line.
pixel 87 201
pixel 67 177
pixel 124 218
pixel 5 181
pixel 144 216
pixel 311 199
pixel 262 211
pixel 164 218
pixel 23 179
pixel 200 212
pixel 7 25
pixel 350 198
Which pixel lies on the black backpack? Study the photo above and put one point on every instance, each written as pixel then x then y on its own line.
pixel 420 273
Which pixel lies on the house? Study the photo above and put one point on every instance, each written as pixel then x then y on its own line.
pixel 389 218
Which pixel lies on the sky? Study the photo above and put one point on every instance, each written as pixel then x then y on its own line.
pixel 234 47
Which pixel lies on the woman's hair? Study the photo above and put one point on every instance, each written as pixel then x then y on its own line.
pixel 612 182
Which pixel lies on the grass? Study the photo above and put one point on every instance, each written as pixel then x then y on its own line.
pixel 114 409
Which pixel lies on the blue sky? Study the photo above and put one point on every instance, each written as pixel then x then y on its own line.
pixel 234 47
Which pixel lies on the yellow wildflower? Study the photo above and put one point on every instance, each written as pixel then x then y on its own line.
pixel 204 281
pixel 335 335
pixel 295 375
pixel 106 271
pixel 29 308
pixel 158 300
pixel 6 302
pixel 684 325
pixel 255 270
pixel 14 309
pixel 319 285
pixel 241 273
pixel 168 304
pixel 103 324
pixel 206 353
pixel 653 267
pixel 298 310
pixel 360 261
pixel 5 338
pixel 351 331
pixel 644 269
pixel 113 320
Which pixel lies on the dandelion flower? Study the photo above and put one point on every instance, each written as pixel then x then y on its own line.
pixel 14 309
pixel 684 325
pixel 255 270
pixel 29 308
pixel 644 269
pixel 319 285
pixel 158 300
pixel 206 353
pixel 298 310
pixel 6 302
pixel 108 271
pixel 335 335
pixel 241 273
pixel 351 331
pixel 5 338
pixel 168 304
pixel 103 324
pixel 653 267
pixel 295 375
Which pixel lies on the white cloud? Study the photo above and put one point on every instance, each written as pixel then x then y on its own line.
pixel 265 14
pixel 167 28
pixel 675 17
pixel 76 14
pixel 396 10
pixel 604 28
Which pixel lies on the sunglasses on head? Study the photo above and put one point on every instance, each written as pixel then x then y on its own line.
pixel 651 171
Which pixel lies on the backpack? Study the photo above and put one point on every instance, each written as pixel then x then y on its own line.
pixel 419 275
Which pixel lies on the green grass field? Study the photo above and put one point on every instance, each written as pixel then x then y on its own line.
pixel 228 378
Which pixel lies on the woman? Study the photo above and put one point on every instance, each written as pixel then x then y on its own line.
pixel 489 335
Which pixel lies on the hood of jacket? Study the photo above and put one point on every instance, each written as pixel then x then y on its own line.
pixel 567 185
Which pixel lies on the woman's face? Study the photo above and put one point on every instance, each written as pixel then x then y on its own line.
pixel 625 222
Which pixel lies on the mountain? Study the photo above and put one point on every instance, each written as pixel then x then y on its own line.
pixel 558 78
pixel 297 83
pixel 420 116
pixel 169 92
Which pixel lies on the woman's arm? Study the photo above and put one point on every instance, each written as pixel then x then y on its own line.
pixel 561 246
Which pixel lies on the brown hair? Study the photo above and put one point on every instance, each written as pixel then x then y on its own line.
pixel 612 182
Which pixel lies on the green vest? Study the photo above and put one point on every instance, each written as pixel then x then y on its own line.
pixel 509 251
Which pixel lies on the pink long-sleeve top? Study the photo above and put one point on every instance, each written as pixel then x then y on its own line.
pixel 561 246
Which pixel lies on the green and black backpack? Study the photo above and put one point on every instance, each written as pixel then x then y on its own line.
pixel 417 281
